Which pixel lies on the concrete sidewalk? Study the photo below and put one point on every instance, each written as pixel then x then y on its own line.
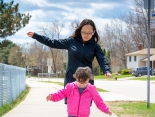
pixel 35 104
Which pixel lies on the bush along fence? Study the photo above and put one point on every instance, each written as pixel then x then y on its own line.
pixel 12 83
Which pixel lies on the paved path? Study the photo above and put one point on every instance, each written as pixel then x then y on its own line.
pixel 35 104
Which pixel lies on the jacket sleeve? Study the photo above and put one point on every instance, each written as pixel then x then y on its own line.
pixel 98 100
pixel 59 44
pixel 61 94
pixel 102 59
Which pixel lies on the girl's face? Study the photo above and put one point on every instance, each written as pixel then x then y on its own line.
pixel 87 32
pixel 83 85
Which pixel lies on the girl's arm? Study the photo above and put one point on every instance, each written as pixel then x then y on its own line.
pixel 61 94
pixel 99 101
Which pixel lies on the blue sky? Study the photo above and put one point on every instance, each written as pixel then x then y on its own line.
pixel 100 11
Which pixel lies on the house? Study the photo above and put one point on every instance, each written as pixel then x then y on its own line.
pixel 139 58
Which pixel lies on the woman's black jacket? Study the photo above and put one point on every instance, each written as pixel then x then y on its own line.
pixel 79 54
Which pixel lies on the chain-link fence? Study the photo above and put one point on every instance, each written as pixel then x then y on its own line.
pixel 12 82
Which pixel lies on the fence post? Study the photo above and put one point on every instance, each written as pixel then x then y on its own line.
pixel 1 84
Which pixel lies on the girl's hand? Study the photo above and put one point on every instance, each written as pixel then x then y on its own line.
pixel 110 113
pixel 108 75
pixel 49 97
pixel 30 34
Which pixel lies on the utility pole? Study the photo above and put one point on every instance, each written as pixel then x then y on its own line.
pixel 148 4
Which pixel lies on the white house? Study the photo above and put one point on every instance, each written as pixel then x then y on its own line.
pixel 139 58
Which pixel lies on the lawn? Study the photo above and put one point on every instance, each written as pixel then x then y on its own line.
pixel 132 109
pixel 104 77
pixel 62 84
pixel 142 78
pixel 113 76
pixel 59 83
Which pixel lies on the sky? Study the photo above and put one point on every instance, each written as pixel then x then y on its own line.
pixel 66 11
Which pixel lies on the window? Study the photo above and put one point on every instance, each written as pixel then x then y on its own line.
pixel 129 58
pixel 144 68
pixel 135 58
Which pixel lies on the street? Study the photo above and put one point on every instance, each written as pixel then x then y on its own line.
pixel 131 88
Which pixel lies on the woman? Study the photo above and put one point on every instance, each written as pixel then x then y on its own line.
pixel 82 48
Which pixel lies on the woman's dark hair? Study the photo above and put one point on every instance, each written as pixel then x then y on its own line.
pixel 77 32
pixel 82 74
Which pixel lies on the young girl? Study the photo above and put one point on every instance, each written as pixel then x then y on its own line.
pixel 79 95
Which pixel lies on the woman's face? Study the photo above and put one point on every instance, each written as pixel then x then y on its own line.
pixel 87 32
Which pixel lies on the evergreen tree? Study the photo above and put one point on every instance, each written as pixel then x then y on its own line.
pixel 5 47
pixel 10 19
pixel 108 57
pixel 104 51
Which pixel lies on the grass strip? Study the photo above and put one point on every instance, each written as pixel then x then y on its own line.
pixel 132 108
pixel 62 84
pixel 7 107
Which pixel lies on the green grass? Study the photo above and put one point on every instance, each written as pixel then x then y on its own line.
pixel 142 78
pixel 62 84
pixel 35 76
pixel 113 76
pixel 101 90
pixel 7 107
pixel 132 109
pixel 59 83
pixel 104 77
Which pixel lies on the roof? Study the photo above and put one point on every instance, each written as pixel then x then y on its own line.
pixel 142 52
pixel 152 58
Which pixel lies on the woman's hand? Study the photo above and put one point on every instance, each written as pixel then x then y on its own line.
pixel 108 75
pixel 30 34
pixel 49 97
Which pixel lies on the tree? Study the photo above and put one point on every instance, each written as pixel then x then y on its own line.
pixel 5 47
pixel 125 33
pixel 10 19
pixel 16 57
pixel 73 25
pixel 53 30
pixel 108 56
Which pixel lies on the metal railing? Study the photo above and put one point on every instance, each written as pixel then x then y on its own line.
pixel 47 75
pixel 12 83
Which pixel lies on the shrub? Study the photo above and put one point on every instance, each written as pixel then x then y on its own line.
pixel 125 71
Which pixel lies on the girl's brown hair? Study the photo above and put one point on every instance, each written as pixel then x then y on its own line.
pixel 82 74
pixel 77 32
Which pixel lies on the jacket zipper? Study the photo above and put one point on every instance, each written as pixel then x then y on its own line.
pixel 79 102
pixel 82 52
pixel 78 106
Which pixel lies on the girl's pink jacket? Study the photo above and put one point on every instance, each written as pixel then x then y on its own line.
pixel 79 105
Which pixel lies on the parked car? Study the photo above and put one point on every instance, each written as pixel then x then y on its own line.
pixel 141 71
pixel 154 72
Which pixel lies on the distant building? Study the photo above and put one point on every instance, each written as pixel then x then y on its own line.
pixel 139 58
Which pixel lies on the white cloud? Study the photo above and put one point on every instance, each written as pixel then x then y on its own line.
pixel 40 3
pixel 44 10
pixel 78 13
pixel 44 3
pixel 37 14
pixel 103 6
